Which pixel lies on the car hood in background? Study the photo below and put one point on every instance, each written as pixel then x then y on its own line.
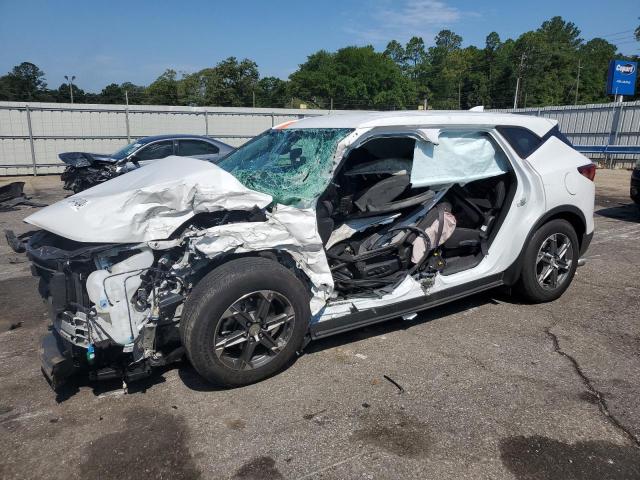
pixel 149 203
pixel 84 159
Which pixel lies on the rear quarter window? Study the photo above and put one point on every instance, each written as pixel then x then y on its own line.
pixel 523 141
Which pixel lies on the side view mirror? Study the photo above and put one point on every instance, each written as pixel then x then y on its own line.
pixel 133 159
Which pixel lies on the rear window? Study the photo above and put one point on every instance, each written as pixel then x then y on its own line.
pixel 523 141
pixel 555 132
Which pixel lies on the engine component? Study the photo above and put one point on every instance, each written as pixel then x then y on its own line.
pixel 112 290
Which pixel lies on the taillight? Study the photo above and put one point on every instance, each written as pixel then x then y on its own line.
pixel 588 171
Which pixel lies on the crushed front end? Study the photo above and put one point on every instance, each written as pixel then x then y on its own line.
pixel 114 308
pixel 84 170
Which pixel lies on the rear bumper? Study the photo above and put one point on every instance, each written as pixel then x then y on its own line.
pixel 586 241
pixel 55 359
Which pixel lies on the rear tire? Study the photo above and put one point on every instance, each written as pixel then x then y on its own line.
pixel 549 263
pixel 250 303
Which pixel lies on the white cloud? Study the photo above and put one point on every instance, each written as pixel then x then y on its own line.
pixel 403 20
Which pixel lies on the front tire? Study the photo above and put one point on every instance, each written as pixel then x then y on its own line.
pixel 550 262
pixel 244 321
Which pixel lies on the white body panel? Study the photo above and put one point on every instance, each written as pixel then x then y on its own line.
pixel 557 164
pixel 148 203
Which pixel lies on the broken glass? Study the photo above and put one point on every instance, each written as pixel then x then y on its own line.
pixel 294 166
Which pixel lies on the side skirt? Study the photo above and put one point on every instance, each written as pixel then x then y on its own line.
pixel 376 315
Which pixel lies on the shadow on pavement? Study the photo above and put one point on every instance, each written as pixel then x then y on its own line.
pixel 629 212
pixel 543 458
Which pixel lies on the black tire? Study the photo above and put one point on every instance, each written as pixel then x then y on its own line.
pixel 216 293
pixel 528 285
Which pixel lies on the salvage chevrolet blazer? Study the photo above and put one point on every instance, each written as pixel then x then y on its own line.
pixel 312 228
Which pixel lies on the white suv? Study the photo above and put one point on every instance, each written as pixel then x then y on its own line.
pixel 314 227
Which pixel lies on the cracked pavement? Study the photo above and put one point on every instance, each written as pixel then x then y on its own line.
pixel 488 388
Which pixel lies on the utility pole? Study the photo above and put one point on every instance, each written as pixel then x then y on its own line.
pixel 70 82
pixel 424 104
pixel 126 115
pixel 331 104
pixel 515 97
pixel 459 94
pixel 578 79
pixel 253 93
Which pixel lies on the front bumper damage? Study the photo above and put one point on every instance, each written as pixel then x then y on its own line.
pixel 56 359
pixel 116 306
pixel 69 347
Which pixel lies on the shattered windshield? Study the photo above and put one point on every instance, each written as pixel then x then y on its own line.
pixel 291 165
pixel 126 151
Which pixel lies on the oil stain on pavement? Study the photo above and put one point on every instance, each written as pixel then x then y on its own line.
pixel 259 468
pixel 395 432
pixel 153 445
pixel 543 458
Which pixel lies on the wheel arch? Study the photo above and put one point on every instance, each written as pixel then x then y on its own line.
pixel 571 214
pixel 282 257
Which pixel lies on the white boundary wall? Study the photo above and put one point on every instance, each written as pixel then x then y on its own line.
pixel 33 134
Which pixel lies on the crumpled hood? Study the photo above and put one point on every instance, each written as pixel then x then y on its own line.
pixel 84 159
pixel 149 203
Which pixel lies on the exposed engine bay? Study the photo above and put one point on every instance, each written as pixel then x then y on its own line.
pixel 118 306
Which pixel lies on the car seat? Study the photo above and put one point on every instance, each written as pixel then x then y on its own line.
pixel 379 260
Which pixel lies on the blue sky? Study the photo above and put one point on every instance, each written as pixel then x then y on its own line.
pixel 136 40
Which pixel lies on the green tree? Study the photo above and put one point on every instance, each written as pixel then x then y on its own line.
pixel 594 62
pixel 164 90
pixel 113 94
pixel 355 77
pixel 271 92
pixel 396 52
pixel 25 82
pixel 230 83
pixel 63 95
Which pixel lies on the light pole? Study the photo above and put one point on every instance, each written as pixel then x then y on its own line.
pixel 73 77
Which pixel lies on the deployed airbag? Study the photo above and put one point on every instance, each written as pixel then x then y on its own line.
pixel 459 157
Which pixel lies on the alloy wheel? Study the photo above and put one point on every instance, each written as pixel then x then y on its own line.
pixel 554 260
pixel 254 330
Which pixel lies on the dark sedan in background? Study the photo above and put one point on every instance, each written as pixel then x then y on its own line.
pixel 85 170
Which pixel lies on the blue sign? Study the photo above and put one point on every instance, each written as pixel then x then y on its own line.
pixel 622 76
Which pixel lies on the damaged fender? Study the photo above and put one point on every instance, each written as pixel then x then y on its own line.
pixel 287 229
